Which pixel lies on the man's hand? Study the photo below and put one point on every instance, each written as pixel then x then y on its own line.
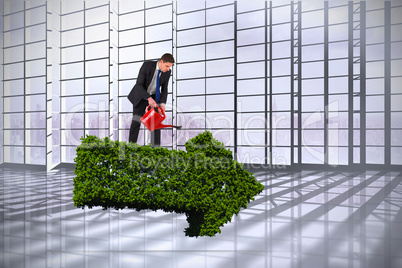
pixel 163 107
pixel 152 102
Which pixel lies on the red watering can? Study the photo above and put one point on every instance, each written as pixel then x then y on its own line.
pixel 152 119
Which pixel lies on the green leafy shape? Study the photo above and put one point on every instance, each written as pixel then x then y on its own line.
pixel 203 182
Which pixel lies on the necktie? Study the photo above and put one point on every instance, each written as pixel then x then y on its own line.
pixel 157 93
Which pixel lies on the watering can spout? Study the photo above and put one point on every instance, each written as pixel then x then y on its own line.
pixel 152 119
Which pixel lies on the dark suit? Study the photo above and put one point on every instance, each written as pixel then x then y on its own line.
pixel 139 95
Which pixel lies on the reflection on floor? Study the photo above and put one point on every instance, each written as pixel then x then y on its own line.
pixel 302 219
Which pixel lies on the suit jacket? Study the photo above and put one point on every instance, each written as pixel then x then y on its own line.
pixel 139 91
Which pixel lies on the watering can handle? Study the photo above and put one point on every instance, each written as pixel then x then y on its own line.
pixel 157 109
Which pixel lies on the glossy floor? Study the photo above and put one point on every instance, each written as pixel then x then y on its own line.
pixel 301 219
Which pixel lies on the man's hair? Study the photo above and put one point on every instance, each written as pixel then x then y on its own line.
pixel 167 57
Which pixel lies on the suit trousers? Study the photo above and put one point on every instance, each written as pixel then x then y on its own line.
pixel 138 112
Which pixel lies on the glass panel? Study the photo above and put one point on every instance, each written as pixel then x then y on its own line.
pixel 97 85
pixel 396 155
pixel 191 104
pixel 72 104
pixel 254 137
pixel 250 53
pixel 220 67
pixel 184 6
pixel 35 68
pixel 376 103
pixel 375 155
pixel 131 37
pixel 35 51
pixel 281 14
pixel 73 37
pixel 253 19
pixel 97 15
pixel 281 67
pixel 338 85
pixel 338 156
pixel 97 102
pixel 156 50
pixel 253 36
pixel 13 154
pixel 221 14
pixel 14 87
pixel 313 52
pixel 281 137
pixel 14 120
pixel 281 50
pixel 251 87
pixel 14 38
pixel 97 119
pixel 220 85
pixel 13 104
pixel 191 20
pixel 72 21
pixel 313 19
pixel 190 70
pixel 129 5
pixel 72 120
pixel 337 137
pixel 251 120
pixel 35 102
pixel 220 102
pixel 158 15
pixel 280 84
pixel 159 32
pixel 281 32
pixel 72 87
pixel 192 53
pixel 13 71
pixel 72 6
pixel 243 6
pixel 14 21
pixel 36 155
pixel 134 53
pixel 281 156
pixel 313 86
pixel 35 16
pixel 220 50
pixel 97 50
pixel 251 70
pixel 13 54
pixel 220 32
pixel 375 137
pixel 254 155
pixel 191 87
pixel 36 138
pixel 14 137
pixel 312 69
pixel 338 15
pixel 313 155
pixel 313 36
pixel 220 120
pixel 281 102
pixel 396 120
pixel 189 37
pixel 71 54
pixel 375 120
pixel 96 33
pixel 281 120
pixel 72 70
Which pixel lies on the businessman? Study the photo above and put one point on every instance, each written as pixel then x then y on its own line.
pixel 150 89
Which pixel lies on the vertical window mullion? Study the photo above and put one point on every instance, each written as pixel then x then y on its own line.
pixel 362 83
pixel 387 83
pixel 326 97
